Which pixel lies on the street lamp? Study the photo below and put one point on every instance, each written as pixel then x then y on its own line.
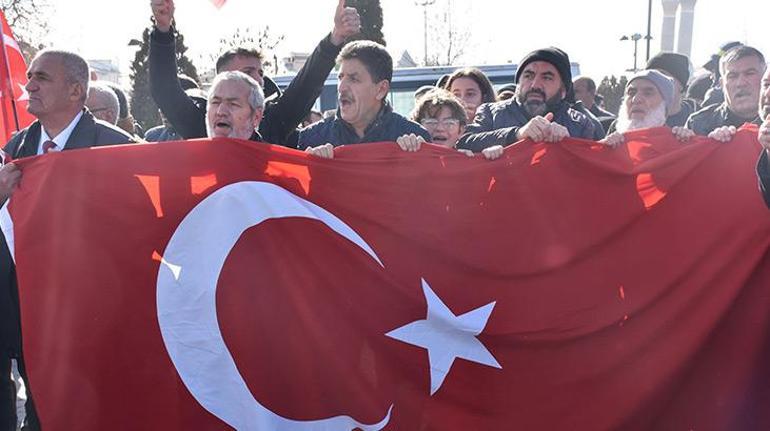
pixel 425 4
pixel 635 37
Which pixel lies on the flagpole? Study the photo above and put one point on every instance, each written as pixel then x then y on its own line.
pixel 9 87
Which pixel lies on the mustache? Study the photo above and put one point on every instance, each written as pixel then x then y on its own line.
pixel 535 91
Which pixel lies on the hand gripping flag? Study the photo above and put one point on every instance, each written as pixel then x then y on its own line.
pixel 13 78
pixel 219 284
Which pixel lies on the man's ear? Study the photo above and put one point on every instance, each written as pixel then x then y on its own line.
pixel 383 88
pixel 77 92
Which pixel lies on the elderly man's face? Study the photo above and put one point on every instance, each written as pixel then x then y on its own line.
pixel 642 97
pixel 643 107
pixel 741 82
pixel 228 114
pixel 98 105
pixel 539 86
pixel 764 103
pixel 49 90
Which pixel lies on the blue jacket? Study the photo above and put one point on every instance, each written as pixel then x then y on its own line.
pixel 497 124
pixel 334 130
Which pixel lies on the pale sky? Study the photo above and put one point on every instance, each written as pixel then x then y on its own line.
pixel 499 30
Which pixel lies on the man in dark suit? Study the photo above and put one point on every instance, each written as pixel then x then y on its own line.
pixel 58 88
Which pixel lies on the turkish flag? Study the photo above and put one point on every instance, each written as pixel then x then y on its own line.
pixel 13 78
pixel 219 284
pixel 218 3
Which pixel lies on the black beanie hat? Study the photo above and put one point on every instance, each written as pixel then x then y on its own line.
pixel 558 58
pixel 676 65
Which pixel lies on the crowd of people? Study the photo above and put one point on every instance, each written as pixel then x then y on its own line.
pixel 462 111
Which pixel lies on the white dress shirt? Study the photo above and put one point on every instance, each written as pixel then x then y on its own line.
pixel 61 139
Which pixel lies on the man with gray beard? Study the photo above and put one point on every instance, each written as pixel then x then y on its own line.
pixel 538 112
pixel 649 97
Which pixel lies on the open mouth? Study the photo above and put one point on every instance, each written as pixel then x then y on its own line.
pixel 222 127
pixel 439 139
pixel 345 101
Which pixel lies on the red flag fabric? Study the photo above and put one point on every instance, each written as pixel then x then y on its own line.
pixel 13 78
pixel 218 284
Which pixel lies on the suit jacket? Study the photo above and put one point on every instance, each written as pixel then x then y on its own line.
pixel 89 132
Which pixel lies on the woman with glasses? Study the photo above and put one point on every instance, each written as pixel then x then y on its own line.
pixel 443 116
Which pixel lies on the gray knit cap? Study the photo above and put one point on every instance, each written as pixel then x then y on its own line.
pixel 663 83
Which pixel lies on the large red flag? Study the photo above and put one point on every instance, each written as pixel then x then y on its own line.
pixel 210 285
pixel 13 78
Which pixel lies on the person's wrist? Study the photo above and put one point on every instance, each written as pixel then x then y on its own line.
pixel 336 39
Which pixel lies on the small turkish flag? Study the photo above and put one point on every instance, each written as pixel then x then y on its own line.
pixel 252 287
pixel 13 78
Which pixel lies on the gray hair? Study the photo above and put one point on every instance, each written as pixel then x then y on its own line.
pixel 256 95
pixel 740 52
pixel 75 67
pixel 105 96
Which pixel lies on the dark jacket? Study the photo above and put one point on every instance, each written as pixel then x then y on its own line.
pixel 497 124
pixel 599 133
pixel 711 117
pixel 334 130
pixel 282 115
pixel 763 174
pixel 680 118
pixel 162 134
pixel 89 132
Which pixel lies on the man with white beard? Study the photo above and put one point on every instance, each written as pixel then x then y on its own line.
pixel 649 96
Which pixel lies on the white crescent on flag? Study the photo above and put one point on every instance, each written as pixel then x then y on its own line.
pixel 186 301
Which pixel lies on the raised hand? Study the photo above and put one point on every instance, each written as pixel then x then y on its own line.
pixel 347 23
pixel 163 12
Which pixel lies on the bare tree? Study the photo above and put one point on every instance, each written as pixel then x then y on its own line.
pixel 27 18
pixel 447 35
pixel 262 39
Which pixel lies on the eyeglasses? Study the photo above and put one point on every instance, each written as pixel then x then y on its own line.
pixel 432 123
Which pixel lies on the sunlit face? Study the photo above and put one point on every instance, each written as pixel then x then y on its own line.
pixel 469 92
pixel 359 97
pixel 642 97
pixel 444 127
pixel 49 90
pixel 764 103
pixel 228 113
pixel 741 82
pixel 251 66
pixel 539 85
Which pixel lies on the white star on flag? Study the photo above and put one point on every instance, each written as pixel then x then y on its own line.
pixel 24 95
pixel 446 336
